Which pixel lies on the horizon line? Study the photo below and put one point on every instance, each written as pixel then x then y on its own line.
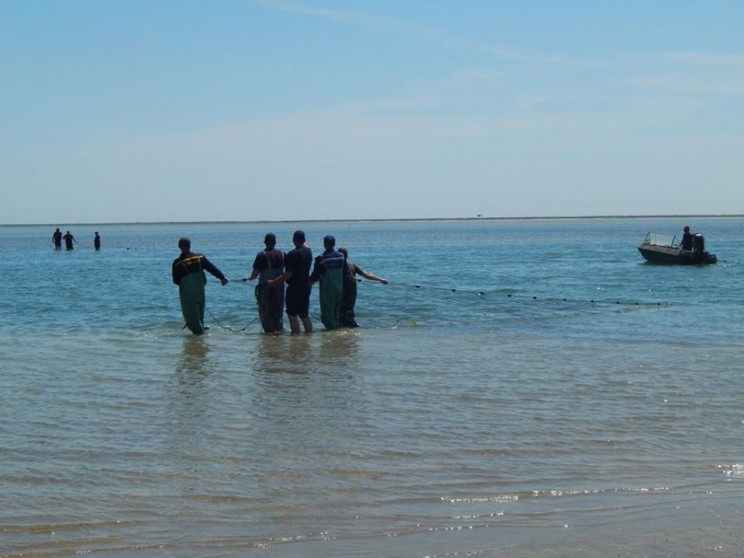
pixel 386 219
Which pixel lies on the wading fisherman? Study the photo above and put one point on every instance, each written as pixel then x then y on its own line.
pixel 188 274
pixel 69 239
pixel 330 270
pixel 348 300
pixel 57 239
pixel 269 264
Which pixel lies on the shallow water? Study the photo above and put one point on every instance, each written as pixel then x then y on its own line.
pixel 521 388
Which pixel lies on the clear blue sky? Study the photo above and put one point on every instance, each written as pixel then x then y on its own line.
pixel 154 110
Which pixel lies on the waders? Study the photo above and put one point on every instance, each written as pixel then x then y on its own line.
pixel 331 291
pixel 191 293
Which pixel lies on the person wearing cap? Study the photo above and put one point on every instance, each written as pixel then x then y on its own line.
pixel 348 299
pixel 330 270
pixel 269 264
pixel 188 273
pixel 296 274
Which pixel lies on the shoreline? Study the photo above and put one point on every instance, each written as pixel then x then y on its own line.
pixel 390 220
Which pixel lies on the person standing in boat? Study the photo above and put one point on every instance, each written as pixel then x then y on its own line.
pixel 269 264
pixel 188 273
pixel 348 299
pixel 686 242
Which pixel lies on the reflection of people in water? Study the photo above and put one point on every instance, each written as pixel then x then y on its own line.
pixel 57 239
pixel 271 355
pixel 194 359
pixel 339 350
pixel 303 354
pixel 686 239
pixel 187 401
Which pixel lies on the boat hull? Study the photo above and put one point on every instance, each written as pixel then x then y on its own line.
pixel 667 255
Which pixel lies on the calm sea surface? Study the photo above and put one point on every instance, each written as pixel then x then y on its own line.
pixel 520 389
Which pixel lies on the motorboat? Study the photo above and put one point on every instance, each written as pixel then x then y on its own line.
pixel 662 249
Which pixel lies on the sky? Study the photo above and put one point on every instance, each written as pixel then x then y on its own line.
pixel 279 110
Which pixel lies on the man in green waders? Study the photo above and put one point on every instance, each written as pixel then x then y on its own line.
pixel 188 274
pixel 269 264
pixel 330 270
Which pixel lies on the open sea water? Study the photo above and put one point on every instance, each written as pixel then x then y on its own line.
pixel 521 388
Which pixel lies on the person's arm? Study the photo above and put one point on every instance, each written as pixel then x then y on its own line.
pixel 175 272
pixel 211 268
pixel 290 264
pixel 258 265
pixel 319 269
pixel 371 276
pixel 286 276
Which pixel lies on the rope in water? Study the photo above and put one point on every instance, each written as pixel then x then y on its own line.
pixel 478 294
pixel 496 293
pixel 228 327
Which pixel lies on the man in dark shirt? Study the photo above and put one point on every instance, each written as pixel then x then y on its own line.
pixel 57 239
pixel 686 239
pixel 188 273
pixel 297 265
pixel 269 264
pixel 69 239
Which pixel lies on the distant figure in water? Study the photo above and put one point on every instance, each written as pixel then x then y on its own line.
pixel 348 299
pixel 57 239
pixel 188 274
pixel 97 242
pixel 686 239
pixel 69 239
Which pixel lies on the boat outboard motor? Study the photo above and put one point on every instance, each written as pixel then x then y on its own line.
pixel 698 243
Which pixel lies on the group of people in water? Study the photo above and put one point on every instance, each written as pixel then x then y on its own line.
pixel 331 270
pixel 58 237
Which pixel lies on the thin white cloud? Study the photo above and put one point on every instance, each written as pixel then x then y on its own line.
pixel 704 85
pixel 700 58
pixel 530 102
pixel 476 74
pixel 423 101
pixel 364 19
pixel 535 57
pixel 442 37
